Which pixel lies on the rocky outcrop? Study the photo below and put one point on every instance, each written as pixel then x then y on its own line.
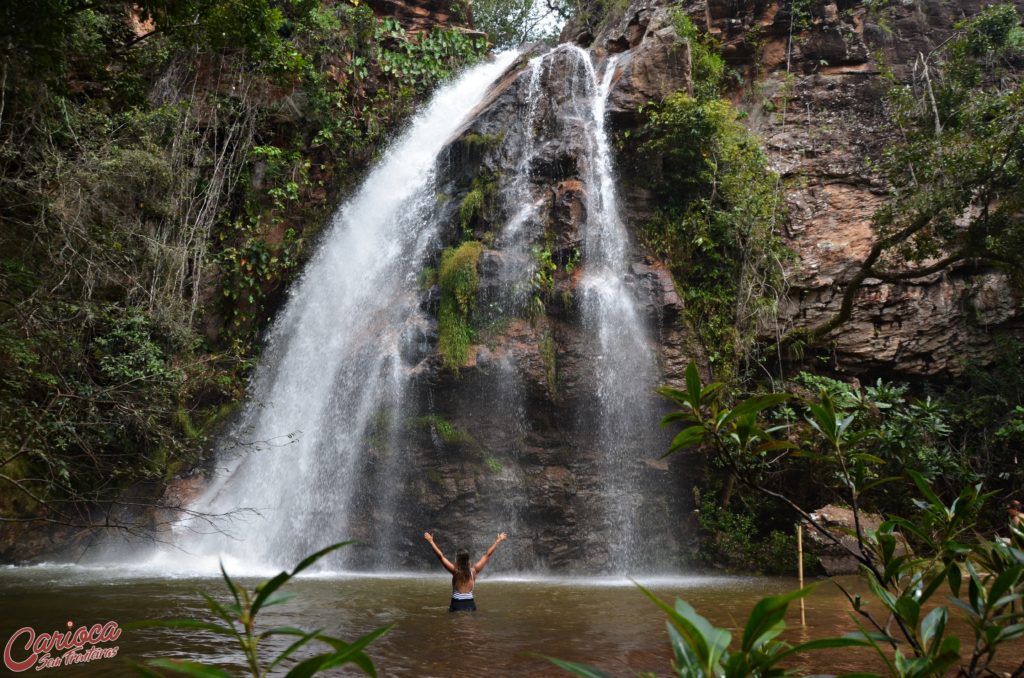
pixel 423 15
pixel 813 92
pixel 512 440
pixel 838 559
pixel 815 97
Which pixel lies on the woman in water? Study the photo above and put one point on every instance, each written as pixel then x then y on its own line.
pixel 463 576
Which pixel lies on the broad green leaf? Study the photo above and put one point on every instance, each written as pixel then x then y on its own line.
pixel 1004 581
pixel 268 587
pixel 710 390
pixel 909 610
pixel 282 631
pixel 933 626
pixel 677 416
pixel 682 652
pixel 881 593
pixel 1010 632
pixel 310 666
pixel 756 404
pixel 293 647
pixel 823 644
pixel 688 437
pixel 347 654
pixel 680 398
pixel 231 585
pixel 693 383
pixel 925 489
pixel 696 631
pixel 278 598
pixel 955 577
pixel 359 659
pixel 767 613
pixel 229 614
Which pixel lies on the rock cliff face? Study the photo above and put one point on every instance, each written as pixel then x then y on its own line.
pixel 422 15
pixel 826 123
pixel 511 441
pixel 508 442
pixel 813 91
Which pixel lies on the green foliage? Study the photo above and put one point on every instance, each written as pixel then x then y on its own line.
pixel 237 620
pixel 802 14
pixel 89 403
pixel 156 192
pixel 477 209
pixel 511 23
pixel 905 432
pixel 708 66
pixel 456 436
pixel 732 540
pixel 701 650
pixel 426 57
pixel 984 413
pixel 472 208
pixel 719 205
pixel 543 281
pixel 459 281
pixel 942 536
pixel 548 354
pixel 448 432
pixel 251 272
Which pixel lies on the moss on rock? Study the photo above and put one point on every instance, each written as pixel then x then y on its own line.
pixel 459 282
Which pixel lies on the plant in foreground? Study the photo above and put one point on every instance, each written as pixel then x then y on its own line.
pixel 702 650
pixel 906 563
pixel 239 619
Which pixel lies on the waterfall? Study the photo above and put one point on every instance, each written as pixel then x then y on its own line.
pixel 352 428
pixel 331 374
pixel 625 367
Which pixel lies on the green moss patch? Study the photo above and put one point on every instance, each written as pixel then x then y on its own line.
pixel 459 282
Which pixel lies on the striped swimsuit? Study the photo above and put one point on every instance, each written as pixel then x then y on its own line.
pixel 462 602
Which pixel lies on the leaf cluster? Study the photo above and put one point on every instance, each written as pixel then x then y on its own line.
pixel 905 561
pixel 237 620
pixel 715 227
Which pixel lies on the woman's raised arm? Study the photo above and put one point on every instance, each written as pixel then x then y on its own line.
pixel 437 552
pixel 490 552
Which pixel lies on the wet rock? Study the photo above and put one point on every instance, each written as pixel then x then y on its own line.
pixel 834 46
pixel 567 215
pixel 837 559
pixel 657 290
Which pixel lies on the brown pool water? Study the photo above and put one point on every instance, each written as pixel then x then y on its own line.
pixel 608 623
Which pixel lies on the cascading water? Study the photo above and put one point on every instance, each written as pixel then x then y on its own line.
pixel 348 383
pixel 332 368
pixel 624 363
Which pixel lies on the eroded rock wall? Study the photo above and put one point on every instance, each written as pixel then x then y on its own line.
pixel 813 91
pixel 511 440
pixel 823 121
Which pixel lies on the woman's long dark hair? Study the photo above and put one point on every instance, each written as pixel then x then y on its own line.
pixel 462 572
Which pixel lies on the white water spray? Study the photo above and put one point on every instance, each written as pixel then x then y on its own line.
pixel 332 365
